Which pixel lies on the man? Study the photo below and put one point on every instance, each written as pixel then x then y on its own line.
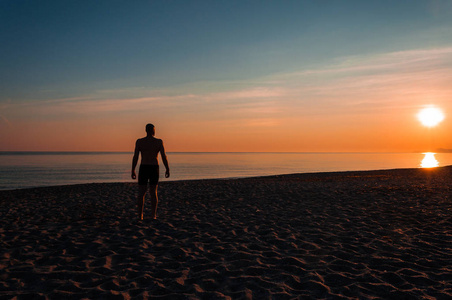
pixel 149 147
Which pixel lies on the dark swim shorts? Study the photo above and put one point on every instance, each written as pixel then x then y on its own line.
pixel 148 173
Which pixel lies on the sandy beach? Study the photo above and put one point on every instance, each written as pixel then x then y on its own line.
pixel 356 235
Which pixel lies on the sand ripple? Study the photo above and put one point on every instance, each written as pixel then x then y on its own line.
pixel 381 234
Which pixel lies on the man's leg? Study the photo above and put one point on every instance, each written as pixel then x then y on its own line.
pixel 154 200
pixel 140 200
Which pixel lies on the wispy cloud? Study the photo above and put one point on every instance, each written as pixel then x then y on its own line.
pixel 398 78
pixel 356 83
pixel 5 122
pixel 407 60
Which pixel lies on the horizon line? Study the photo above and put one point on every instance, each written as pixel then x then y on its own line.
pixel 31 152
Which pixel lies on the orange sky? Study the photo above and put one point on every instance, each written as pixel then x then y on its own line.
pixel 364 103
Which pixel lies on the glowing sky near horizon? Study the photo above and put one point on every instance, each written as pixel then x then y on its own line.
pixel 291 76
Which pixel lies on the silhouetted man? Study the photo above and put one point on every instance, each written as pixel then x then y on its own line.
pixel 149 147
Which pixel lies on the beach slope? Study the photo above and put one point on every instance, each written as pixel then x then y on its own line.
pixel 375 234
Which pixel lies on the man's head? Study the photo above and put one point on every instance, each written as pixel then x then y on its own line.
pixel 150 129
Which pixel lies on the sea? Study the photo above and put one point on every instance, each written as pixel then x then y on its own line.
pixel 20 170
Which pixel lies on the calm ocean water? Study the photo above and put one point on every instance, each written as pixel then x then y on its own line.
pixel 33 169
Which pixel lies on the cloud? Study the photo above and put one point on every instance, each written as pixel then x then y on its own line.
pixel 246 101
pixel 400 60
pixel 378 79
pixel 5 121
pixel 354 84
pixel 251 93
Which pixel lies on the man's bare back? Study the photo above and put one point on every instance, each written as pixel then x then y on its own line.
pixel 149 147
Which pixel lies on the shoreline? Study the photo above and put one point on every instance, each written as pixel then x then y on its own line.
pixel 165 181
pixel 352 234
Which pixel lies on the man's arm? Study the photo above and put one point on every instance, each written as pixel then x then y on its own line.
pixel 165 160
pixel 135 160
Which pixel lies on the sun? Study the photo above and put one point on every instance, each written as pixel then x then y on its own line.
pixel 430 116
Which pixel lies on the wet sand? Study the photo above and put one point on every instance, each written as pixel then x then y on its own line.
pixel 358 235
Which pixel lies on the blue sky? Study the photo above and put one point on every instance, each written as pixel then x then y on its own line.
pixel 183 51
pixel 77 45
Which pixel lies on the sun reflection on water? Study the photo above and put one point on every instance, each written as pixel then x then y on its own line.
pixel 429 160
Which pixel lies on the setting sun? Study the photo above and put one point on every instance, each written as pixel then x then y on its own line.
pixel 430 116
